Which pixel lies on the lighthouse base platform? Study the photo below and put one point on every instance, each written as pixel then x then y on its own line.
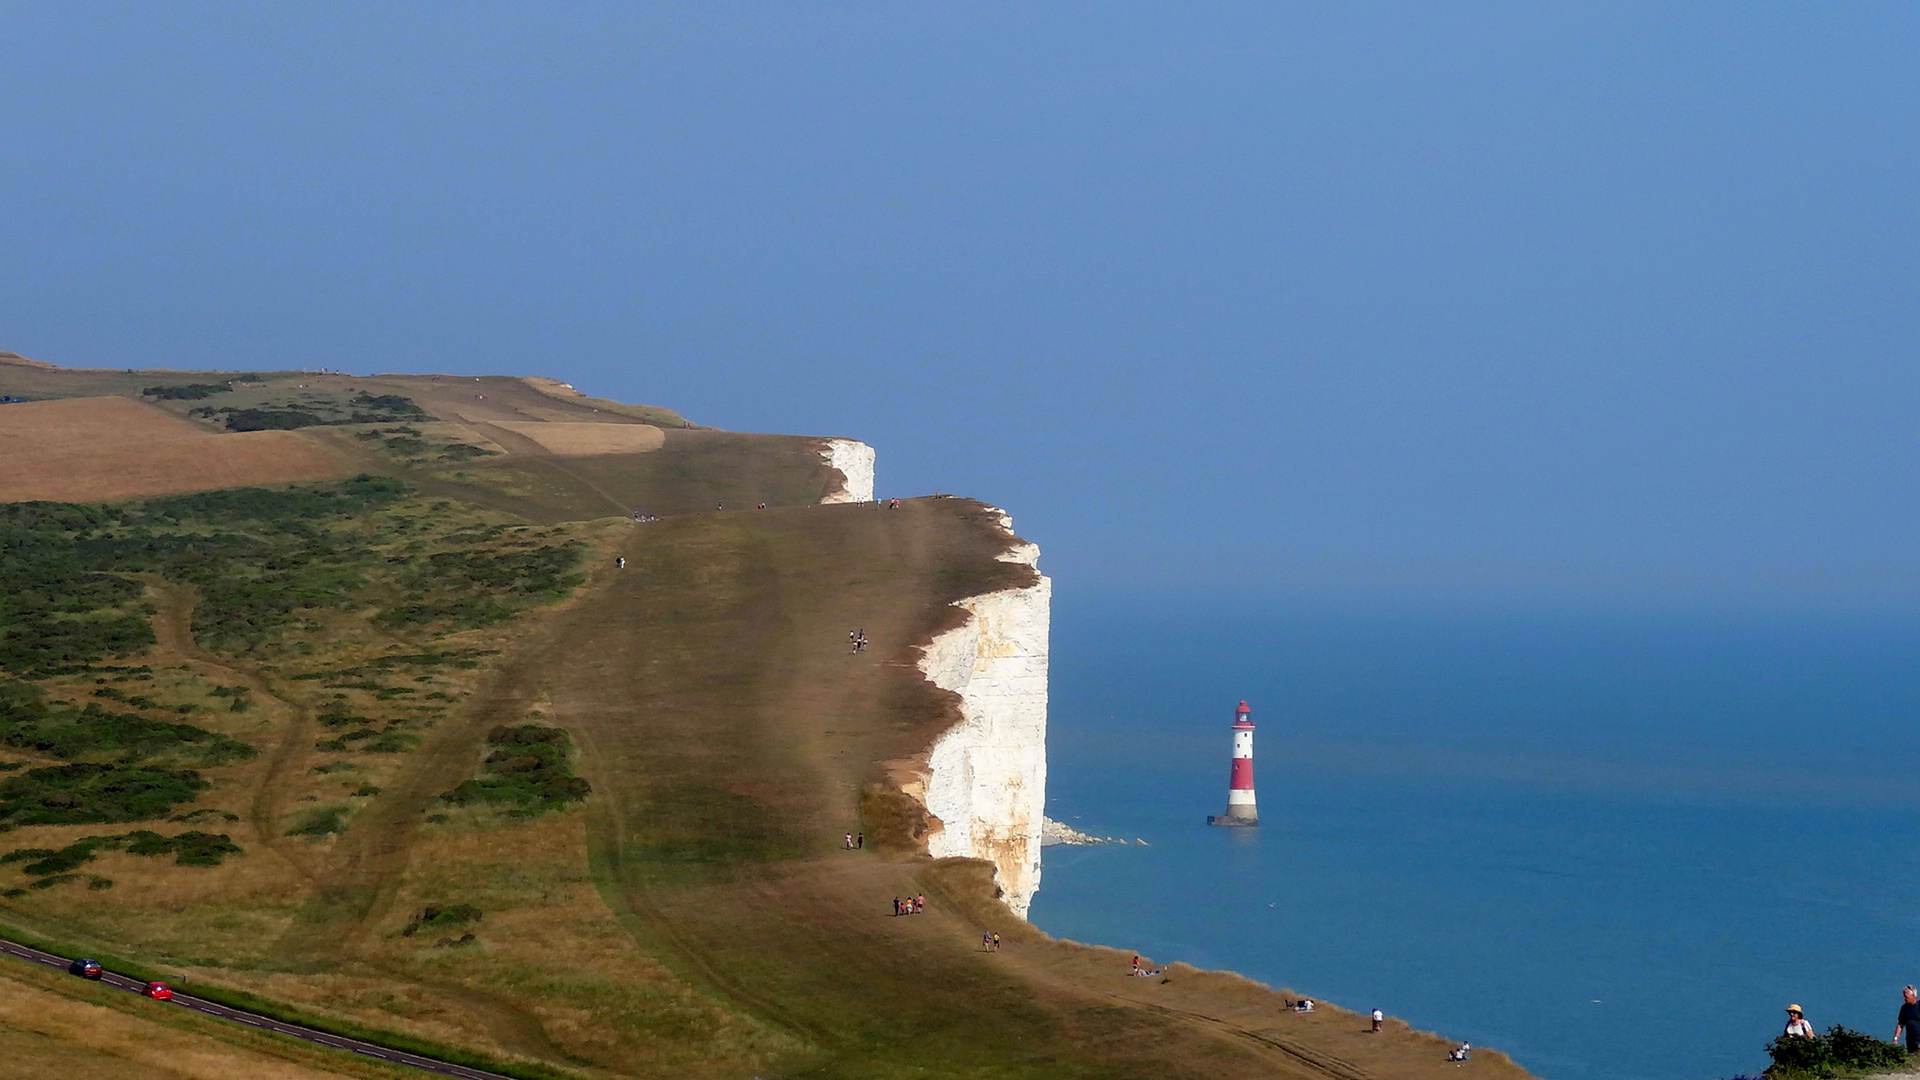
pixel 1231 818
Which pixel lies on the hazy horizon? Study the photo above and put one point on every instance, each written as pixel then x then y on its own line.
pixel 1604 303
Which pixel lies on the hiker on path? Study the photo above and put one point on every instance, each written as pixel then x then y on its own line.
pixel 1378 1018
pixel 1797 1026
pixel 920 903
pixel 860 841
pixel 619 562
pixel 896 907
pixel 1909 1022
pixel 996 943
pixel 986 942
pixel 849 841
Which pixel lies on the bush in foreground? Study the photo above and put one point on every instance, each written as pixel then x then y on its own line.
pixel 1840 1050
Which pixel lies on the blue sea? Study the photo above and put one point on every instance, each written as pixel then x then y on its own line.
pixel 1613 843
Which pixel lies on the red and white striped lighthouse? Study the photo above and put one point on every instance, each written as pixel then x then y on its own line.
pixel 1240 805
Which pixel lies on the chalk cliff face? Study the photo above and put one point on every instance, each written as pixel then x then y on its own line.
pixel 986 778
pixel 855 462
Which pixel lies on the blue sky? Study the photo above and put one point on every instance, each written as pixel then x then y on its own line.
pixel 1610 301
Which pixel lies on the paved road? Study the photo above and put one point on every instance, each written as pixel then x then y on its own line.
pixel 241 1016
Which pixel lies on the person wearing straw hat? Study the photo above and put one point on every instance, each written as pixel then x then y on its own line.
pixel 1797 1026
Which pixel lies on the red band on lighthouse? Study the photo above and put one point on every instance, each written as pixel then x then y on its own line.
pixel 1242 774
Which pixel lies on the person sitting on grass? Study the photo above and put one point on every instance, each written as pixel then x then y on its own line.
pixel 1463 1052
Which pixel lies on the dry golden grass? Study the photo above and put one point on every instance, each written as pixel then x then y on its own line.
pixel 45 1035
pixel 585 440
pixel 100 449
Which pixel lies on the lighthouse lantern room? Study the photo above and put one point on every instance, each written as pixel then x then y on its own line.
pixel 1240 804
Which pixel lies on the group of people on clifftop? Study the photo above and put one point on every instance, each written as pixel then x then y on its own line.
pixel 912 905
pixel 1906 1026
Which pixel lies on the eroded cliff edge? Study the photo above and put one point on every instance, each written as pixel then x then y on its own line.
pixel 985 779
pixel 854 461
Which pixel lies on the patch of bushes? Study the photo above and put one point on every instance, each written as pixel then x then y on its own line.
pixel 392 742
pixel 440 917
pixel 27 722
pixel 1840 1050
pixel 362 408
pixel 321 821
pixel 529 771
pixel 86 793
pixel 188 849
pixel 186 392
pixel 290 419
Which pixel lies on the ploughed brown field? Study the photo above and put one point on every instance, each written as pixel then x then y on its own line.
pixel 696 916
pixel 98 449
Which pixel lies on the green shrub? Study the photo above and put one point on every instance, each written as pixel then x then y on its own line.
pixel 87 793
pixel 1841 1049
pixel 321 821
pixel 528 771
pixel 28 723
pixel 186 392
pixel 438 917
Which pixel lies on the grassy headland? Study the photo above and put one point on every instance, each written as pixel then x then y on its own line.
pixel 406 753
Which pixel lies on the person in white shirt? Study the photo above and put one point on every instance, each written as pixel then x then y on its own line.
pixel 1797 1026
pixel 1378 1019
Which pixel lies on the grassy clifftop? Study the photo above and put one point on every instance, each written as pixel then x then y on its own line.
pixel 451 774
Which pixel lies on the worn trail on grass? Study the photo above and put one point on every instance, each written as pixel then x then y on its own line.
pixel 173 632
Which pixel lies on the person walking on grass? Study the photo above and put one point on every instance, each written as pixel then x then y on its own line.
pixel 996 943
pixel 860 841
pixel 986 942
pixel 896 907
pixel 1378 1018
pixel 1797 1026
pixel 849 841
pixel 1909 1022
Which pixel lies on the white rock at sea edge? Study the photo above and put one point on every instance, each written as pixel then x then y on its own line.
pixel 854 460
pixel 987 776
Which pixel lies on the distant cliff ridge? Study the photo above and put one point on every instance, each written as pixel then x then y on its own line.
pixel 986 778
pixel 855 462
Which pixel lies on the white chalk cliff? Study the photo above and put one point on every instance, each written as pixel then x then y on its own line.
pixel 986 778
pixel 855 462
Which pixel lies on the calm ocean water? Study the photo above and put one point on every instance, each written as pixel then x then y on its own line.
pixel 1615 845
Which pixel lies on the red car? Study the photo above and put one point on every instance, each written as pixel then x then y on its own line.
pixel 158 991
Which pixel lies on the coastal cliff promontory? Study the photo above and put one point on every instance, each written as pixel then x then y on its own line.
pixel 986 778
pixel 854 461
